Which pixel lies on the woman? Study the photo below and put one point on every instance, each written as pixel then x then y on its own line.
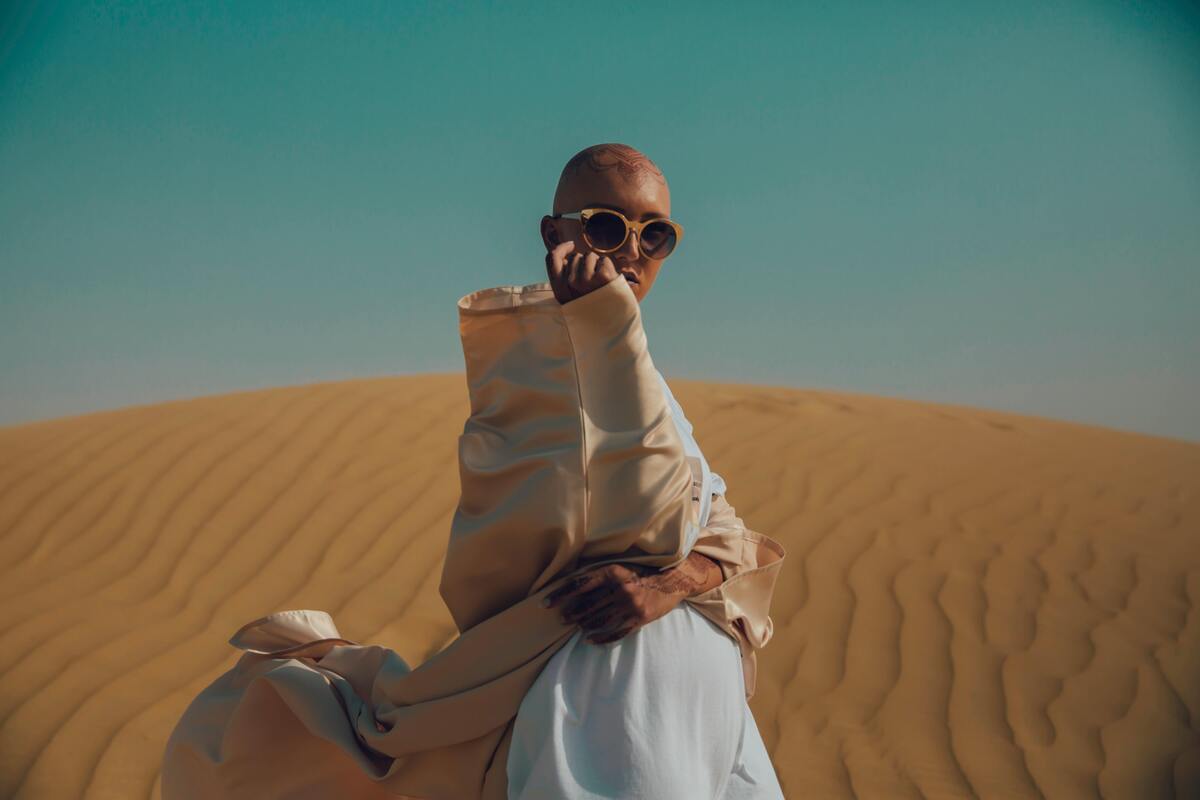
pixel 661 712
pixel 575 477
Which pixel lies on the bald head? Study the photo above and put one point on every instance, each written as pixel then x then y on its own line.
pixel 604 170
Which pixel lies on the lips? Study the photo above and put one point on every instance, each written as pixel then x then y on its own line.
pixel 629 276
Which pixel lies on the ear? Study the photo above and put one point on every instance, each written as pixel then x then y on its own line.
pixel 550 236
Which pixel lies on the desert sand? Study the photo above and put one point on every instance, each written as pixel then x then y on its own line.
pixel 974 603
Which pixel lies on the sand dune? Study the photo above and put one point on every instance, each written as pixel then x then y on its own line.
pixel 974 603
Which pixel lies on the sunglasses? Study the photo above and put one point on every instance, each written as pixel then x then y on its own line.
pixel 606 231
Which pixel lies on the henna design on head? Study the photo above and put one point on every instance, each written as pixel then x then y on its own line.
pixel 631 163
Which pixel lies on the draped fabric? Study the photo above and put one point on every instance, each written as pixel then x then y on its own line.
pixel 659 713
pixel 709 483
pixel 570 458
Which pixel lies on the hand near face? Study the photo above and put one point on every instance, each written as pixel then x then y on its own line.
pixel 574 274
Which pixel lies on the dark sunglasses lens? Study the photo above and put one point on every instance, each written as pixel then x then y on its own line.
pixel 658 240
pixel 605 230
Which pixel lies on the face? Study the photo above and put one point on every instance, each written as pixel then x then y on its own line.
pixel 639 197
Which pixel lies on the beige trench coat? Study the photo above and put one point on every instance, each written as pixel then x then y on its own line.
pixel 569 459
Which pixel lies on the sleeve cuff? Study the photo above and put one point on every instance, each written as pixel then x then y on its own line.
pixel 741 604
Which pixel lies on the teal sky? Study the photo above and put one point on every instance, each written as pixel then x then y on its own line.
pixel 990 204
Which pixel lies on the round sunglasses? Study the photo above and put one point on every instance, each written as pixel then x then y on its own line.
pixel 606 231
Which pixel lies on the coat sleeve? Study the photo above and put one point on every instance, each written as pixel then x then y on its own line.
pixel 750 562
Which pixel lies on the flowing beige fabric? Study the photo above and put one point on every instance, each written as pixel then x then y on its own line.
pixel 569 459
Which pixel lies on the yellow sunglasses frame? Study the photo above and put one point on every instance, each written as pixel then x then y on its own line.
pixel 630 225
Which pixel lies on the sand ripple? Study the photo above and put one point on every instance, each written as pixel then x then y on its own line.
pixel 974 603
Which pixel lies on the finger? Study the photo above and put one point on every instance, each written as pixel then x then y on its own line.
pixel 578 273
pixel 556 266
pixel 606 269
pixel 573 278
pixel 558 593
pixel 562 250
pixel 606 621
pixel 564 592
pixel 567 589
pixel 605 618
pixel 589 269
pixel 564 273
pixel 613 609
pixel 556 257
pixel 605 615
pixel 587 603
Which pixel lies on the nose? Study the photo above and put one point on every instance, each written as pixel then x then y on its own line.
pixel 630 248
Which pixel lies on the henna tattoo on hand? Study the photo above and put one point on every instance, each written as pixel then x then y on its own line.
pixel 697 573
pixel 610 612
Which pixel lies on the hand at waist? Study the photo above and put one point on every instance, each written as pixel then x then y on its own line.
pixel 613 600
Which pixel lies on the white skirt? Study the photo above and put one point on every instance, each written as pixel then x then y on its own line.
pixel 660 713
